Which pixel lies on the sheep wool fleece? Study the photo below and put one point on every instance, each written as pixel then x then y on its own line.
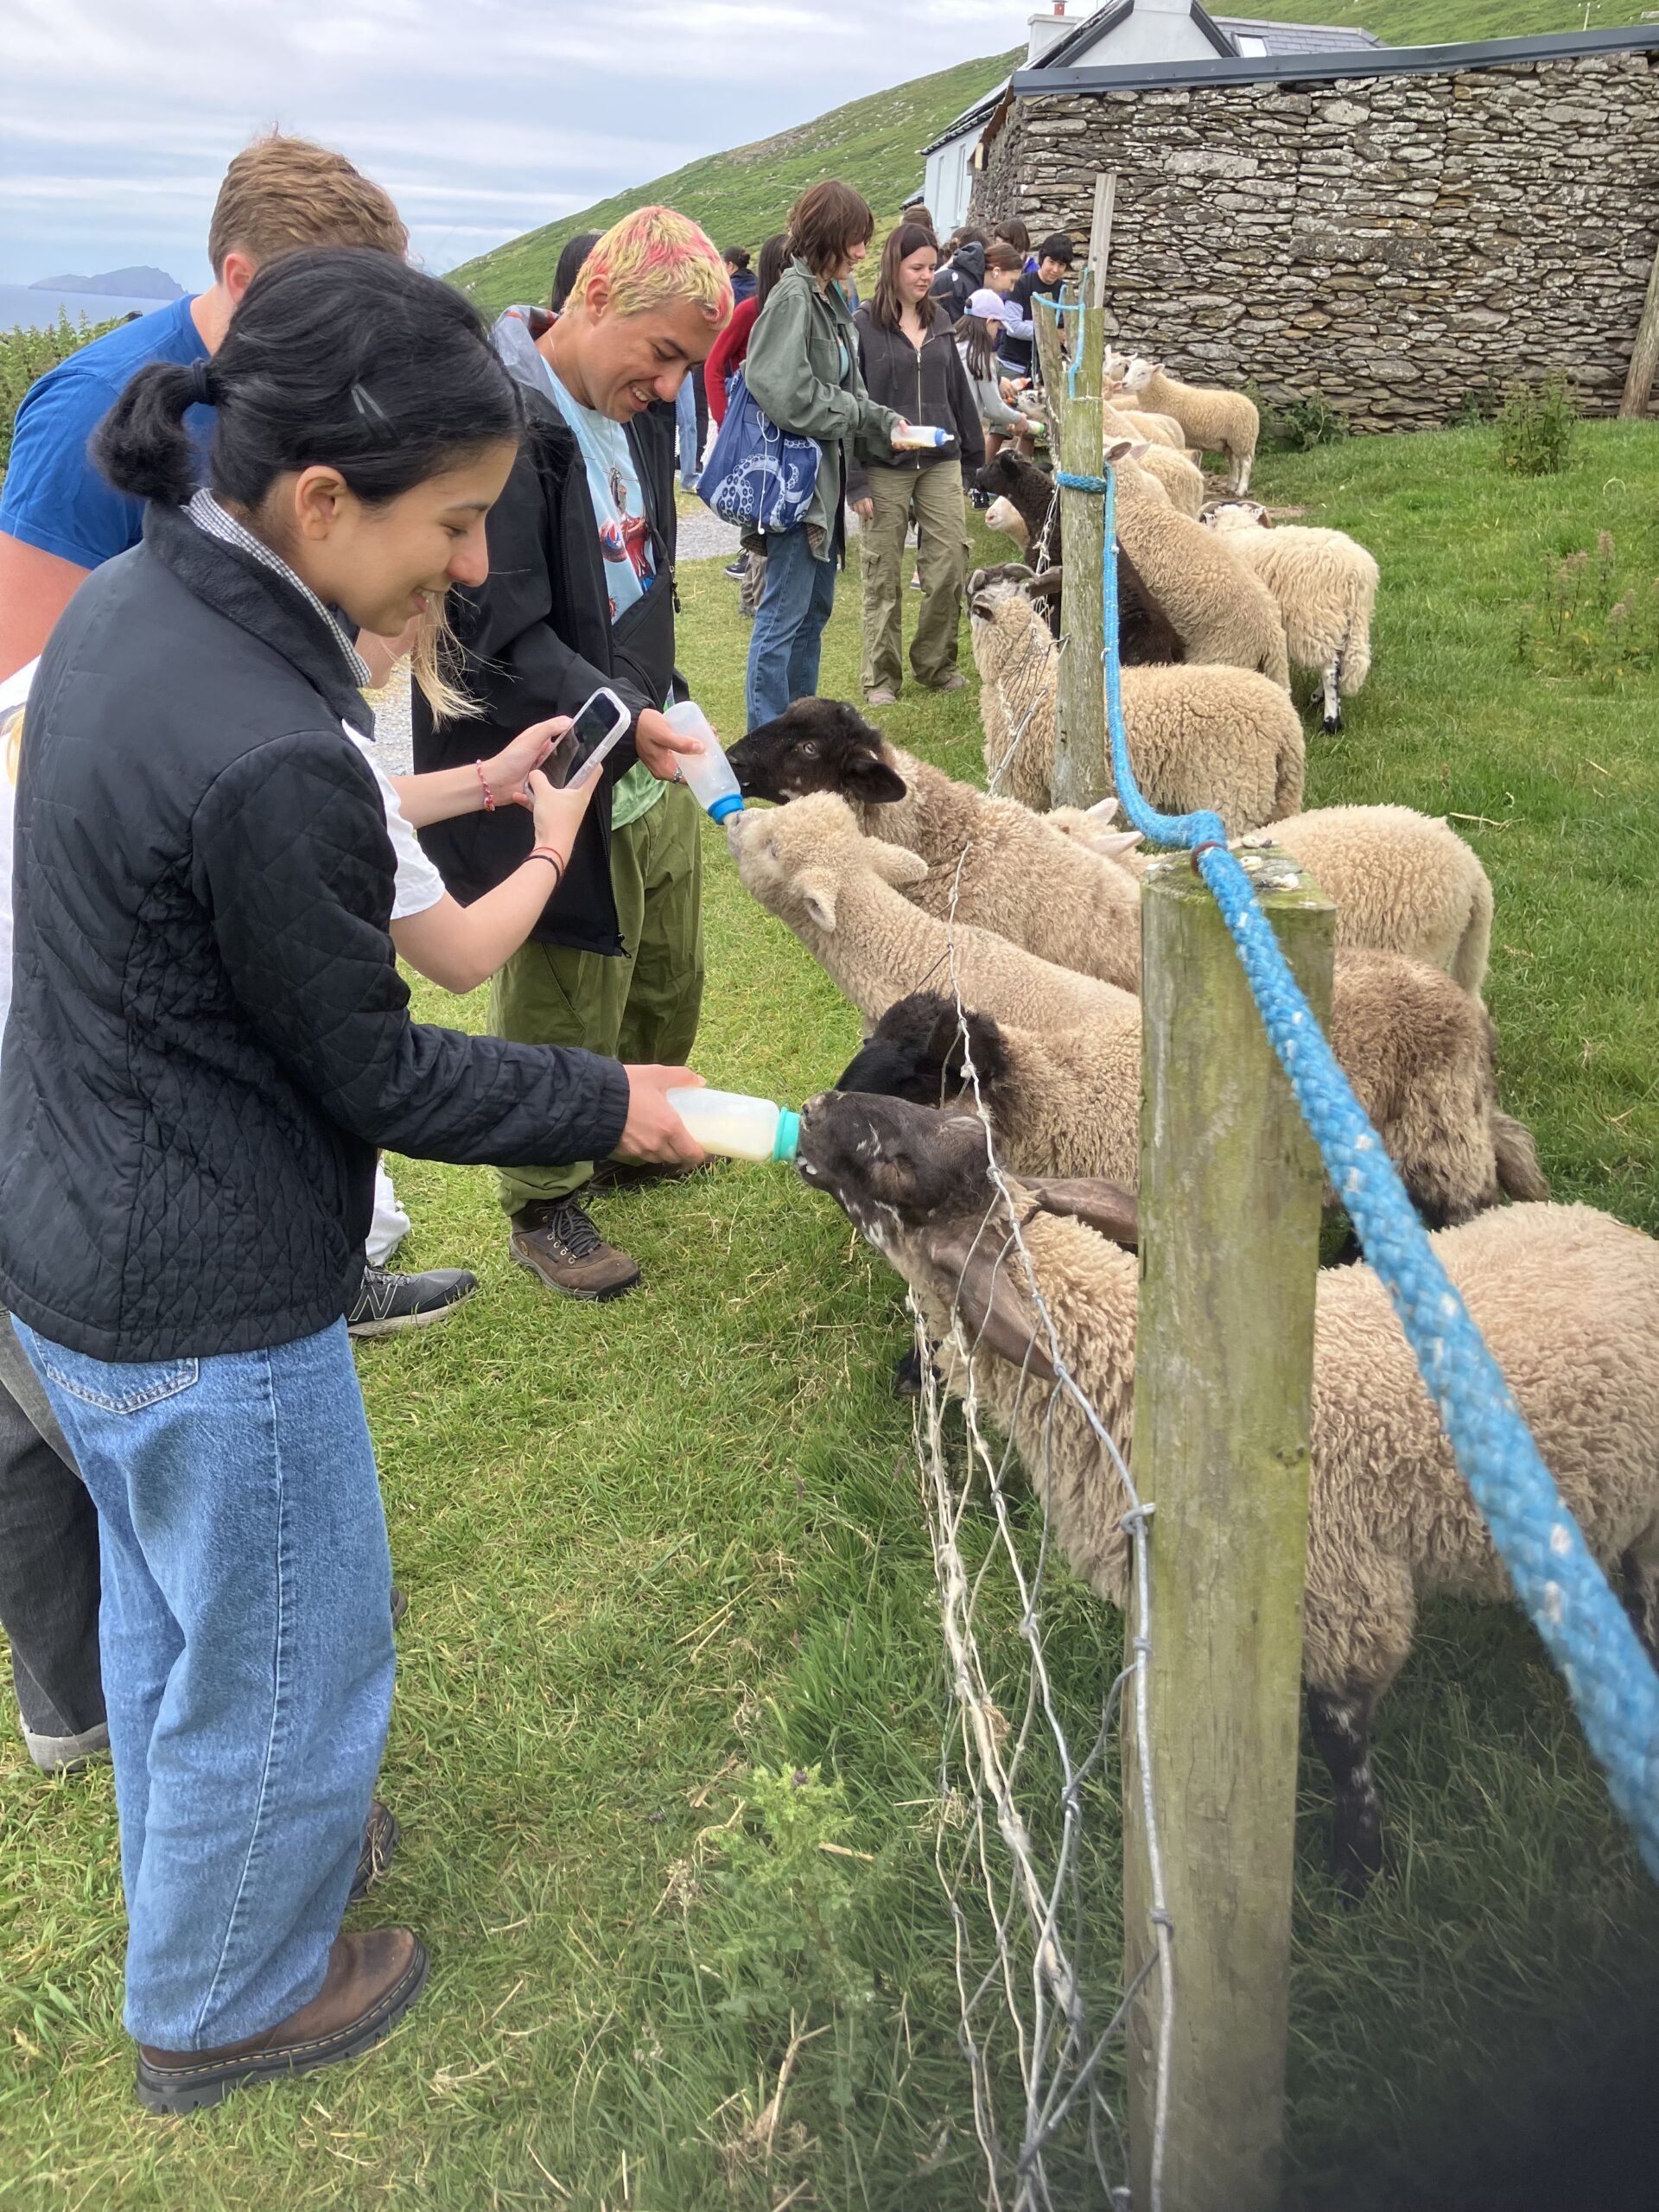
pixel 641 1005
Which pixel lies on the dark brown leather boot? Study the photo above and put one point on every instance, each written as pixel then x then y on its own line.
pixel 557 1242
pixel 372 1980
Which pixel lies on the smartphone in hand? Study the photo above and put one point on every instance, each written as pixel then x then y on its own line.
pixel 601 724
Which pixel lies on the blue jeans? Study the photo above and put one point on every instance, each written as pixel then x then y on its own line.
pixel 685 423
pixel 246 1639
pixel 784 651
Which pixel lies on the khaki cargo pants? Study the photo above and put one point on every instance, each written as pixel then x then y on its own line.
pixel 643 1006
pixel 934 497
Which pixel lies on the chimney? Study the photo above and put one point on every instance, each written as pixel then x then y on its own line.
pixel 1048 29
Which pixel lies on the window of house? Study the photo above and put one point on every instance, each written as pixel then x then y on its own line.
pixel 1247 45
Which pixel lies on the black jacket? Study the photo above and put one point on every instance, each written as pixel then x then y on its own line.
pixel 1022 351
pixel 538 639
pixel 960 278
pixel 925 383
pixel 209 1036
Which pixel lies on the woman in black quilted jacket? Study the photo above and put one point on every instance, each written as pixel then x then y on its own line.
pixel 209 1038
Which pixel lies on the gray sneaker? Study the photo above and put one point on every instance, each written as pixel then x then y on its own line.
pixel 386 1302
pixel 558 1243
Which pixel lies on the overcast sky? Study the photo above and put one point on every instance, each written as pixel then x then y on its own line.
pixel 483 117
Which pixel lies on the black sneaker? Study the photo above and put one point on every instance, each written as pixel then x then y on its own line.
pixel 737 569
pixel 386 1301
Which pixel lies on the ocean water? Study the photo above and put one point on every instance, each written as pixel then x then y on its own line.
pixel 20 303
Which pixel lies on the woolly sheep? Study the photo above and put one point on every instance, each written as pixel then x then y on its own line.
pixel 1323 583
pixel 1214 419
pixel 1401 881
pixel 1566 1299
pixel 1199 736
pixel 1163 460
pixel 841 894
pixel 1032 516
pixel 1222 609
pixel 1419 1052
pixel 990 861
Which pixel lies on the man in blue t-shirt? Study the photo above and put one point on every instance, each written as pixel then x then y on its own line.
pixel 59 518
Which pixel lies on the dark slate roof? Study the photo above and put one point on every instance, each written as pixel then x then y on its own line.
pixel 1328 67
pixel 1296 38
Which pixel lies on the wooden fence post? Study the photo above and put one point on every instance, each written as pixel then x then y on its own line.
pixel 1231 1190
pixel 1644 356
pixel 1075 412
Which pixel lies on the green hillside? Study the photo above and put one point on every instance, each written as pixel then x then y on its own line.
pixel 740 197
pixel 1434 23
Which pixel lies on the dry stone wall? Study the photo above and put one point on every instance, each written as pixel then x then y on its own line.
pixel 1388 241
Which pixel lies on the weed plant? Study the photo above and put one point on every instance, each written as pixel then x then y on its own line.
pixel 1594 618
pixel 1534 427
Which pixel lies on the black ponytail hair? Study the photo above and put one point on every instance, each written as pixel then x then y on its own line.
pixel 571 261
pixel 338 356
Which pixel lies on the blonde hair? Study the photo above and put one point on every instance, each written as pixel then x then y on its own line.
pixel 653 258
pixel 279 193
pixel 433 658
pixel 11 743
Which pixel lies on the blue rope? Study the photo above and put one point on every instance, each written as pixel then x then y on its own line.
pixel 1586 1631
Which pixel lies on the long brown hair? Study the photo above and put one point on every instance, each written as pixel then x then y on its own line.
pixel 978 345
pixel 887 308
pixel 827 222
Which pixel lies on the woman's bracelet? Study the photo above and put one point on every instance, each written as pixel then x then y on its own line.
pixel 483 781
pixel 552 854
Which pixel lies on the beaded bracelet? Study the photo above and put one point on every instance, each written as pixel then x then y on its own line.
pixel 489 795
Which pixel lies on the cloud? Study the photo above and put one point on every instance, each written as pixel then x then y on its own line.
pixel 484 117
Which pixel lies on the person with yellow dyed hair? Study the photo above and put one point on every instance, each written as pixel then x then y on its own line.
pixel 580 596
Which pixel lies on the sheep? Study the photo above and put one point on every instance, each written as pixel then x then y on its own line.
pixel 1566 1299
pixel 1323 583
pixel 1417 1050
pixel 1159 430
pixel 1163 460
pixel 990 861
pixel 1401 881
pixel 841 892
pixel 1214 419
pixel 1221 607
pixel 1024 507
pixel 1205 735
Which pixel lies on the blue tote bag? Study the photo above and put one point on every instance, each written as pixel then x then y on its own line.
pixel 758 476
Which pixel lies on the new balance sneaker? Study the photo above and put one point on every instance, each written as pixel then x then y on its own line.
pixel 557 1242
pixel 385 1301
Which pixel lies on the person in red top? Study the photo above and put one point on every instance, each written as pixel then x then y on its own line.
pixel 726 356
pixel 725 360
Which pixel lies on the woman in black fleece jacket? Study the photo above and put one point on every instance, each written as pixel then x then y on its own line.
pixel 910 364
pixel 209 1039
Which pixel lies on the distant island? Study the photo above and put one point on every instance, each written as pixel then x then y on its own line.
pixel 117 283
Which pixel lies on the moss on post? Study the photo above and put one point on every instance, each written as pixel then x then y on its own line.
pixel 1230 1190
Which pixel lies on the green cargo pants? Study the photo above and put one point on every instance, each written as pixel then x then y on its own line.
pixel 643 1006
pixel 933 496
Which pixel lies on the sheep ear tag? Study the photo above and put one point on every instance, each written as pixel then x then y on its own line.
pixel 983 1274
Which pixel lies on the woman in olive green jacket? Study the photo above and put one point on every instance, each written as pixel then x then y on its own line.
pixel 802 367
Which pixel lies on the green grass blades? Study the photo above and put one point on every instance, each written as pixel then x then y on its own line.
pixel 667 1737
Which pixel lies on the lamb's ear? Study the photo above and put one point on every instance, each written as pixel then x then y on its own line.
pixel 1104 808
pixel 872 781
pixel 1127 449
pixel 816 888
pixel 981 1271
pixel 1048 585
pixel 1104 1207
pixel 893 864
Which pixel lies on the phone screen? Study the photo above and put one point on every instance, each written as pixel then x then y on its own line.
pixel 597 721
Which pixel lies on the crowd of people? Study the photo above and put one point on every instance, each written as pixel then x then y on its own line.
pixel 221 525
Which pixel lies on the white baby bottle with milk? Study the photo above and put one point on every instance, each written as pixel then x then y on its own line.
pixel 918 437
pixel 707 774
pixel 737 1127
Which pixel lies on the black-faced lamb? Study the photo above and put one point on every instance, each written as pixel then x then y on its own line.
pixel 1199 736
pixel 1025 508
pixel 1211 418
pixel 1419 1052
pixel 1323 582
pixel 1566 1299
pixel 990 861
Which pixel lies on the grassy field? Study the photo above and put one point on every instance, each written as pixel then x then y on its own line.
pixel 657 1552
pixel 742 196
pixel 1432 22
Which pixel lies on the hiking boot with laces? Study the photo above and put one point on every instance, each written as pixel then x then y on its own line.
pixel 557 1241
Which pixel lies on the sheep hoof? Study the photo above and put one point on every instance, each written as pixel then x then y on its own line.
pixel 907 1375
pixel 1356 1855
pixel 1333 725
